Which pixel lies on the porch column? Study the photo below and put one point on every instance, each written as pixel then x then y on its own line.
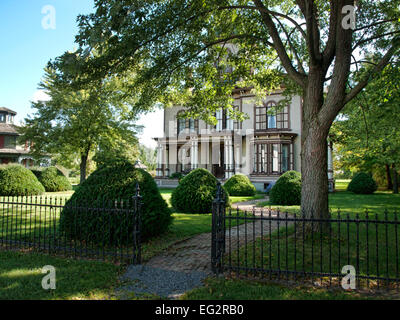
pixel 166 161
pixel 159 172
pixel 194 154
pixel 331 182
pixel 228 147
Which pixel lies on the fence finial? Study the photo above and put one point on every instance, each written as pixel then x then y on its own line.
pixel 137 189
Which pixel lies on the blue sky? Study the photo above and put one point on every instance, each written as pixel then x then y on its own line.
pixel 27 47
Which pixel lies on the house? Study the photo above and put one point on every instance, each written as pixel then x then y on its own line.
pixel 263 147
pixel 10 151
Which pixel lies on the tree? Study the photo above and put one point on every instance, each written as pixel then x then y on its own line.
pixel 74 123
pixel 179 51
pixel 368 131
pixel 148 157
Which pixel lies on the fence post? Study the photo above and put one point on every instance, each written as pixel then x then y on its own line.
pixel 137 221
pixel 218 231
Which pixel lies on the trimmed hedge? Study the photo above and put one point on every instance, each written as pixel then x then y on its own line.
pixel 240 185
pixel 287 189
pixel 362 183
pixel 52 179
pixel 16 180
pixel 115 182
pixel 196 192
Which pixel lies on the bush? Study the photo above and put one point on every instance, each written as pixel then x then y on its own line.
pixel 287 190
pixel 113 182
pixel 177 175
pixel 362 183
pixel 52 179
pixel 240 185
pixel 16 180
pixel 196 192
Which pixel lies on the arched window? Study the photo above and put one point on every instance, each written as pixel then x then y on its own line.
pixel 191 125
pixel 267 117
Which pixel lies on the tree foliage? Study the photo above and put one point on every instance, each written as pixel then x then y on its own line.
pixel 180 51
pixel 77 122
pixel 367 134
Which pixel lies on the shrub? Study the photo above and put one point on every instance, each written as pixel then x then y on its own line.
pixel 287 190
pixel 240 185
pixel 177 175
pixel 196 192
pixel 114 182
pixel 52 179
pixel 362 183
pixel 16 180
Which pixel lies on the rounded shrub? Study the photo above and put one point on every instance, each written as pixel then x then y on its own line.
pixel 240 185
pixel 287 189
pixel 362 183
pixel 113 186
pixel 196 192
pixel 52 179
pixel 16 180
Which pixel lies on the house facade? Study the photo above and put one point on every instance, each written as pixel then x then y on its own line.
pixel 10 151
pixel 263 146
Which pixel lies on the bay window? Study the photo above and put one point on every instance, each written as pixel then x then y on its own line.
pixel 273 158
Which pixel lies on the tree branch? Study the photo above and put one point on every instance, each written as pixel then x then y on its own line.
pixel 279 47
pixel 377 69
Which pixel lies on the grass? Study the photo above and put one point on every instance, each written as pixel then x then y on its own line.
pixel 166 194
pixel 289 251
pixel 21 277
pixel 233 289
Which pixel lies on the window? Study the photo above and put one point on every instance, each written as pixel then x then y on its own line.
pixel 267 117
pixel 2 117
pixel 272 158
pixel 191 124
pixel 224 121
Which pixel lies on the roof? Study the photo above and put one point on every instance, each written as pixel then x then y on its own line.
pixel 139 165
pixel 8 128
pixel 7 110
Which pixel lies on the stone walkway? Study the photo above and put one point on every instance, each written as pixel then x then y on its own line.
pixel 192 258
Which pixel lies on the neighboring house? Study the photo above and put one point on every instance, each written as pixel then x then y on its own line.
pixel 10 151
pixel 263 146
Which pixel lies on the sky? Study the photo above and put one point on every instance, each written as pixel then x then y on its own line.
pixel 32 33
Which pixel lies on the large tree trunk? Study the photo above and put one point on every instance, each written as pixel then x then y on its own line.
pixel 388 177
pixel 314 170
pixel 83 166
pixel 395 180
pixel 314 153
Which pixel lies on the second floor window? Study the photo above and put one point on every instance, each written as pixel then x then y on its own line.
pixel 191 125
pixel 268 117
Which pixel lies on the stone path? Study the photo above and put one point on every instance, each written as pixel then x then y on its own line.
pixel 189 262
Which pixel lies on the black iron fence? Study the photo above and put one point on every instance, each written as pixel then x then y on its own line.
pixel 353 251
pixel 106 230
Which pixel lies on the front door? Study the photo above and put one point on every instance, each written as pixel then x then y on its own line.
pixel 219 168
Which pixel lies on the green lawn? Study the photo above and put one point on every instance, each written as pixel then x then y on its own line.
pixel 166 194
pixel 351 203
pixel 228 289
pixel 21 277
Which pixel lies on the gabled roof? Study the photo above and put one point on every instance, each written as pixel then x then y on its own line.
pixel 6 128
pixel 4 109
